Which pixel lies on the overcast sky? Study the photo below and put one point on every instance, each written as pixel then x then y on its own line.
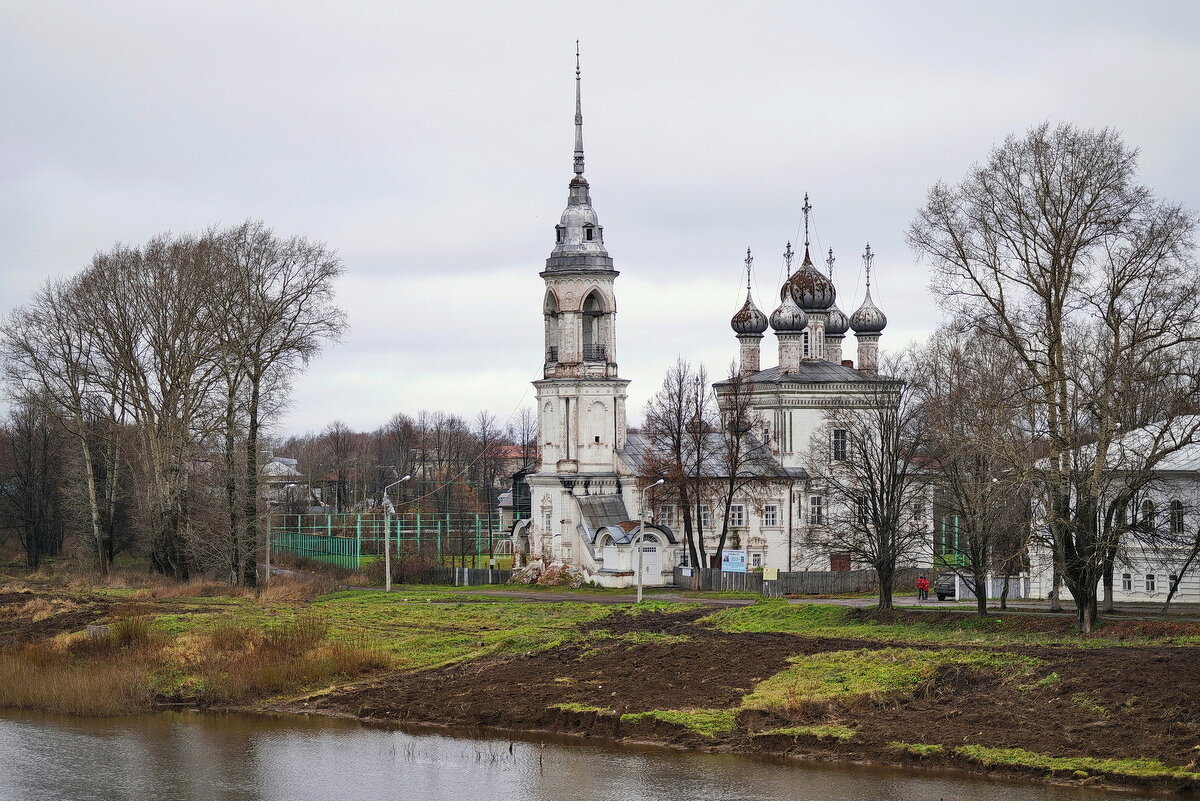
pixel 429 143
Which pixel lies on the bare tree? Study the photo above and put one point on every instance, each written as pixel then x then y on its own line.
pixel 279 314
pixel 678 431
pixel 523 431
pixel 740 462
pixel 875 483
pixel 972 411
pixel 1049 245
pixel 32 462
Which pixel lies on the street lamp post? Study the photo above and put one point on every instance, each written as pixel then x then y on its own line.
pixel 637 541
pixel 387 537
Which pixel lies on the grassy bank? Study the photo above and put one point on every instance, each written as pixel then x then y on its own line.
pixel 1011 693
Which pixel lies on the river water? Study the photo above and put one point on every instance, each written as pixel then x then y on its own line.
pixel 202 757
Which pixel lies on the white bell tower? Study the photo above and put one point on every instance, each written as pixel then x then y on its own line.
pixel 580 397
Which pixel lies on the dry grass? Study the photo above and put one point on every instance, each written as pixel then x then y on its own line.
pixel 298 588
pixel 45 679
pixel 39 609
pixel 241 664
pixel 196 588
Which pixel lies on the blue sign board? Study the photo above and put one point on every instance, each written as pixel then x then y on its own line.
pixel 733 561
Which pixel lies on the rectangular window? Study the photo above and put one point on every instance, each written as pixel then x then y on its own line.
pixel 806 346
pixel 841 445
pixel 1151 582
pixel 756 560
pixel 816 510
pixel 737 515
pixel 666 516
pixel 1127 582
pixel 705 517
pixel 770 515
pixel 1171 579
pixel 861 503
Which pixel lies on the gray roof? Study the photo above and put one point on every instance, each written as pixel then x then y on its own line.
pixel 602 510
pixel 638 448
pixel 812 371
pixel 1179 436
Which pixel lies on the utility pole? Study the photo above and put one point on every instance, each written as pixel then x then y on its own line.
pixel 387 537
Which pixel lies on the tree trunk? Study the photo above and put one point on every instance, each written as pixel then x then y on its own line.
pixel 235 555
pixel 250 486
pixel 1110 558
pixel 93 503
pixel 885 574
pixel 981 588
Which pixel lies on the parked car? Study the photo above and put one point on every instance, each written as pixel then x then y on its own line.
pixel 944 586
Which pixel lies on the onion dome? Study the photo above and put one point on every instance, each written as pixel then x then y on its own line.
pixel 811 290
pixel 836 323
pixel 788 317
pixel 868 319
pixel 749 320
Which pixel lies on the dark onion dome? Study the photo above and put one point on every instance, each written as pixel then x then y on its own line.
pixel 811 290
pixel 868 319
pixel 788 317
pixel 749 320
pixel 837 322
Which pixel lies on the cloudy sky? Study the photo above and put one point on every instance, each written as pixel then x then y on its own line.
pixel 430 145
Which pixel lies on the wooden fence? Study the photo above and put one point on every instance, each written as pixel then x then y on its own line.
pixel 812 582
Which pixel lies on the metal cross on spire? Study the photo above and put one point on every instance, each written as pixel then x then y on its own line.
pixel 806 209
pixel 868 257
pixel 578 116
pixel 787 258
pixel 829 262
pixel 749 261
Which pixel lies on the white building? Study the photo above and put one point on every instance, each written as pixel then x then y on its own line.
pixel 1165 515
pixel 585 493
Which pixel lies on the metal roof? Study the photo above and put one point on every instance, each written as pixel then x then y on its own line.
pixel 638 448
pixel 812 371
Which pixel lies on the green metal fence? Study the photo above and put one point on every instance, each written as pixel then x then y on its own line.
pixel 356 540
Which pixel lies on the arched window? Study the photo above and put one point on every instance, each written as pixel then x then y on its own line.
pixel 806 345
pixel 593 340
pixel 1177 518
pixel 1148 514
pixel 551 313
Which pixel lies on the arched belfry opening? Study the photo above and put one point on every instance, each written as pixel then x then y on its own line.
pixel 595 328
pixel 552 326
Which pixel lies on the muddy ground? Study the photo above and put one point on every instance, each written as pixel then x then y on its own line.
pixel 1109 703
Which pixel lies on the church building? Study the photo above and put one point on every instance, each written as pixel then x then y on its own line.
pixel 585 497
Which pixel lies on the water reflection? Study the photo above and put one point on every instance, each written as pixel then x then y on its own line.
pixel 194 757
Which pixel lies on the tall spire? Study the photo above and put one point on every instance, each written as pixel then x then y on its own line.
pixel 578 116
pixel 868 257
pixel 749 261
pixel 806 209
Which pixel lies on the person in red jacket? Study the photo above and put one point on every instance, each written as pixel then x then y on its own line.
pixel 922 589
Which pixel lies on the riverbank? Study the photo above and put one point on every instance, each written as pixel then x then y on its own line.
pixel 1012 694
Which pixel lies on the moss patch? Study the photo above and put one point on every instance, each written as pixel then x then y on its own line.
pixel 707 722
pixel 845 675
pixel 1018 757
pixel 828 731
pixel 918 749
